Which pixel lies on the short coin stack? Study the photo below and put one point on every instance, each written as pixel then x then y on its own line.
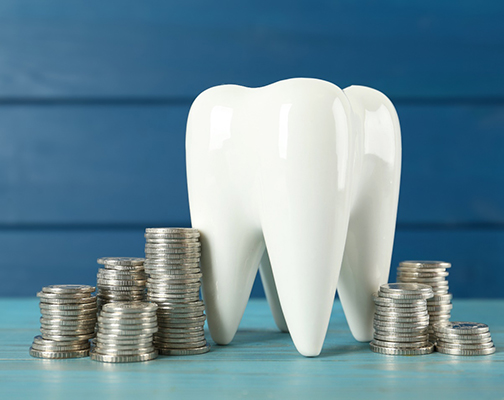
pixel 401 319
pixel 434 274
pixel 67 323
pixel 172 265
pixel 121 279
pixel 464 339
pixel 125 332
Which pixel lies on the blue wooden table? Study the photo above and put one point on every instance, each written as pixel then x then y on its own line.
pixel 260 363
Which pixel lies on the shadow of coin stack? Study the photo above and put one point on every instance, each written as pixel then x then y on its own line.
pixel 434 274
pixel 172 258
pixel 121 279
pixel 401 320
pixel 68 322
pixel 125 332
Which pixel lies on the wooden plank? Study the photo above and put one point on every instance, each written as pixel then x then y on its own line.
pixel 37 258
pixel 260 363
pixel 125 165
pixel 155 49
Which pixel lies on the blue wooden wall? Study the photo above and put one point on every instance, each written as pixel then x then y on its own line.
pixel 94 97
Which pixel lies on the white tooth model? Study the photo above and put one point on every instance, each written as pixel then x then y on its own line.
pixel 309 172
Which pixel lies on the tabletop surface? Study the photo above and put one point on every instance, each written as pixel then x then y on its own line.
pixel 261 363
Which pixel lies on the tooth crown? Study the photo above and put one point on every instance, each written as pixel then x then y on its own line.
pixel 312 173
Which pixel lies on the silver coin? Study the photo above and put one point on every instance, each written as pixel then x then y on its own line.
pixel 68 289
pixel 400 329
pixel 401 339
pixel 65 331
pixel 178 259
pixel 58 354
pixel 178 244
pixel 399 345
pixel 130 307
pixel 128 316
pixel 405 288
pixel 126 268
pixel 465 346
pixel 120 359
pixel 424 264
pixel 80 329
pixel 398 302
pixel 172 231
pixel 179 346
pixel 426 281
pixel 127 332
pixel 182 339
pixel 111 337
pixel 123 352
pixel 478 337
pixel 464 352
pixel 119 325
pixel 442 308
pixel 91 300
pixel 127 321
pixel 427 349
pixel 166 317
pixel 405 320
pixel 67 338
pixel 72 296
pixel 461 328
pixel 67 321
pixel 397 324
pixel 185 352
pixel 125 261
pixel 67 314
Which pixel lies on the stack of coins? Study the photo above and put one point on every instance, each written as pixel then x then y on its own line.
pixel 67 323
pixel 434 274
pixel 125 332
pixel 464 339
pixel 121 279
pixel 401 320
pixel 174 278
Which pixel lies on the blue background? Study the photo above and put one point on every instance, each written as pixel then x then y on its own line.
pixel 94 98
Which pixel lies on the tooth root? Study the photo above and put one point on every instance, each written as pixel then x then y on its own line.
pixel 368 249
pixel 304 214
pixel 271 292
pixel 229 262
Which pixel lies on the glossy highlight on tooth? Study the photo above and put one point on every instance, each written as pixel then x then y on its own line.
pixel 301 180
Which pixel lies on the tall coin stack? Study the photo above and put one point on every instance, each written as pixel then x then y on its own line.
pixel 121 279
pixel 173 282
pixel 464 339
pixel 401 320
pixel 67 323
pixel 125 332
pixel 434 274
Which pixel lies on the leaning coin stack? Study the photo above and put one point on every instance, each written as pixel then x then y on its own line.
pixel 434 274
pixel 401 319
pixel 121 279
pixel 464 339
pixel 67 323
pixel 172 265
pixel 125 332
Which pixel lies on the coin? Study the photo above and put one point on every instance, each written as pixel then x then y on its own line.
pixel 465 346
pixel 125 261
pixel 185 352
pixel 68 289
pixel 425 264
pixel 58 354
pixel 426 349
pixel 462 328
pixel 477 337
pixel 95 356
pixel 463 352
